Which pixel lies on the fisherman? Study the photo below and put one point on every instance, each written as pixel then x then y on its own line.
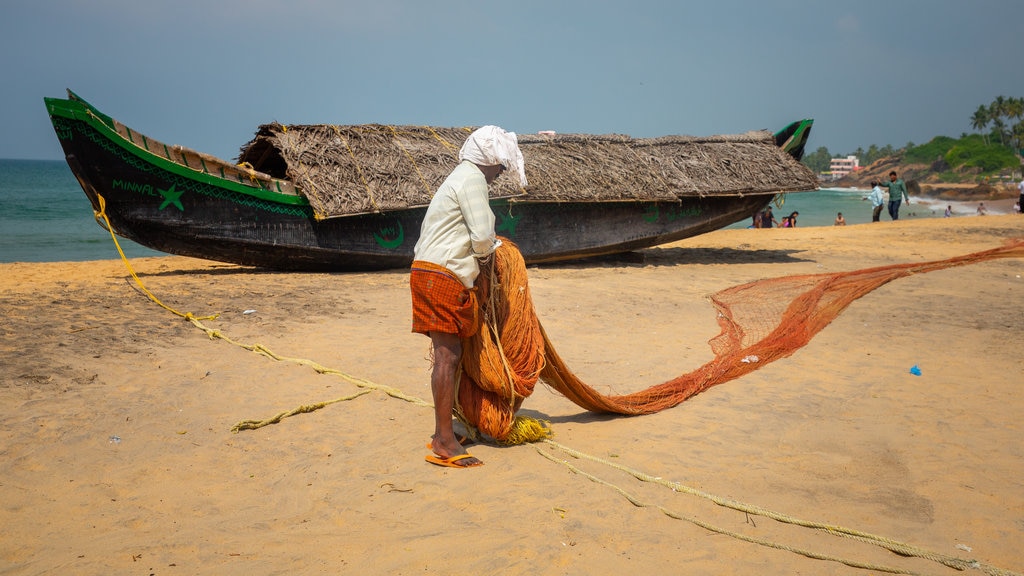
pixel 457 232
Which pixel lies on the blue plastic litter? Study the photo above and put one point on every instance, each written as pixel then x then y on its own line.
pixel 915 370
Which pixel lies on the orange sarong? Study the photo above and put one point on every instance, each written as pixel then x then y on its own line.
pixel 440 303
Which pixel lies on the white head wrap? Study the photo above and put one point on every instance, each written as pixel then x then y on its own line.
pixel 490 146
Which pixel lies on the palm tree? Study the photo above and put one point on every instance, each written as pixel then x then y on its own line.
pixel 1018 135
pixel 871 155
pixel 998 106
pixel 997 110
pixel 1000 127
pixel 1015 111
pixel 980 120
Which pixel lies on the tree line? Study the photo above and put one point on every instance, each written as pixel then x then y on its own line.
pixel 1000 123
pixel 1004 115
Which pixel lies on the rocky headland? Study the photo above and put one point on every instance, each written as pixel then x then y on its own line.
pixel 928 181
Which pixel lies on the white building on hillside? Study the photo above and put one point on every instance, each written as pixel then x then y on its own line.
pixel 840 167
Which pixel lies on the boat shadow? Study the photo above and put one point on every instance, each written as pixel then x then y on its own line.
pixel 670 256
pixel 678 256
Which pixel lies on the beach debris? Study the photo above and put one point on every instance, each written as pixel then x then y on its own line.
pixel 915 370
pixel 248 311
pixel 114 439
pixel 750 359
pixel 392 488
pixel 963 547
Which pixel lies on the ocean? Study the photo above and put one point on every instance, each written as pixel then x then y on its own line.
pixel 820 207
pixel 45 216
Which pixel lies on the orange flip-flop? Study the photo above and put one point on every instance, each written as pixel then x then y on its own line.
pixel 452 462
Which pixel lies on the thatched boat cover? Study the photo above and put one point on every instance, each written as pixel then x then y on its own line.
pixel 345 170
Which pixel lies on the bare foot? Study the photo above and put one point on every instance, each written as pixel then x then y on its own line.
pixel 450 452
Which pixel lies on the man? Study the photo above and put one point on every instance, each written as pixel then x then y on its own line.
pixel 897 192
pixel 768 219
pixel 1020 201
pixel 457 231
pixel 877 200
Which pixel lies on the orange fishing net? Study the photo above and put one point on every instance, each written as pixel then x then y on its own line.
pixel 761 322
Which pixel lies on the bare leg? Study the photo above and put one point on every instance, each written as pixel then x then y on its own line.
pixel 447 355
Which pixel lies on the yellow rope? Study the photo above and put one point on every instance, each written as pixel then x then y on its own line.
pixel 759 541
pixel 251 171
pixel 264 351
pixel 359 170
pixel 308 183
pixel 526 426
pixel 423 180
pixel 254 424
pixel 103 213
pixel 445 143
pixel 526 430
pixel 900 548
pixel 492 326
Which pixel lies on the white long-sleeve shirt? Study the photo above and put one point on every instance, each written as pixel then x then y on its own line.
pixel 876 197
pixel 458 227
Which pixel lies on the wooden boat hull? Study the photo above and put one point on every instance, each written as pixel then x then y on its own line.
pixel 173 209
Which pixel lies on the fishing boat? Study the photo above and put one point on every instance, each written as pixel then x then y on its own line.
pixel 334 198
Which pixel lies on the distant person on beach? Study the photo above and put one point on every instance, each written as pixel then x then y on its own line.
pixel 982 210
pixel 790 221
pixel 1020 201
pixel 767 219
pixel 877 198
pixel 897 192
pixel 457 232
pixel 949 211
pixel 840 221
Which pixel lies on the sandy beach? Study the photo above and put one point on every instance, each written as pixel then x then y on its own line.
pixel 117 455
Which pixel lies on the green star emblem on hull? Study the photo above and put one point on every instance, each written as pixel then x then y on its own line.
pixel 171 196
pixel 507 224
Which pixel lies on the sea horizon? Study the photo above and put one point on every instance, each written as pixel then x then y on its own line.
pixel 46 217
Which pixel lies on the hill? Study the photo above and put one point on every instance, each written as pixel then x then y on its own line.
pixel 934 180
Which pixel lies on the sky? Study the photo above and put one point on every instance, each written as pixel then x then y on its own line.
pixel 206 73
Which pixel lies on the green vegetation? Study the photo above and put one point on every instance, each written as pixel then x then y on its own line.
pixel 817 161
pixel 972 152
pixel 993 149
pixel 932 151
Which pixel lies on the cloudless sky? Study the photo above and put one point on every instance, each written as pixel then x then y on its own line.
pixel 206 73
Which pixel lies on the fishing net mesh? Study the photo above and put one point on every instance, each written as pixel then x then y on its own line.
pixel 760 322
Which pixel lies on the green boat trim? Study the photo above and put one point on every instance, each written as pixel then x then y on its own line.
pixel 178 160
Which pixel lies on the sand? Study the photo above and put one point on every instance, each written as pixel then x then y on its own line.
pixel 117 456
